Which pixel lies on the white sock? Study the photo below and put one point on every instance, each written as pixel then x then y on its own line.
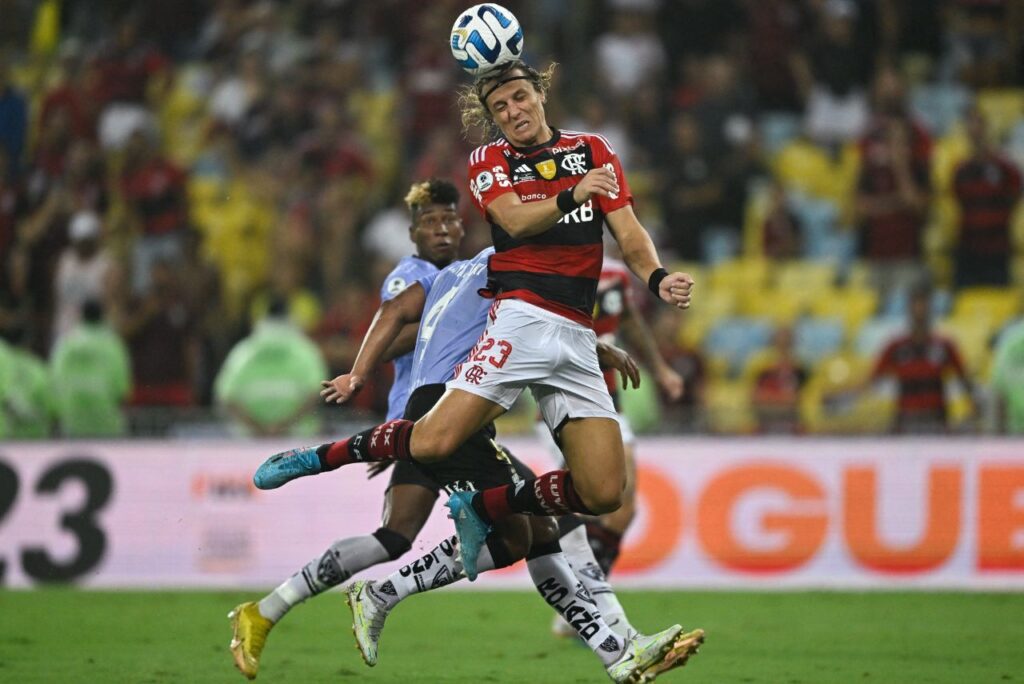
pixel 581 558
pixel 567 595
pixel 437 569
pixel 340 561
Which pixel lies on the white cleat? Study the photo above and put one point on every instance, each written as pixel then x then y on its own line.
pixel 640 653
pixel 368 615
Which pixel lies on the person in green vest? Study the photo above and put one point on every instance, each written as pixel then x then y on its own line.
pixel 92 372
pixel 1008 379
pixel 269 383
pixel 28 402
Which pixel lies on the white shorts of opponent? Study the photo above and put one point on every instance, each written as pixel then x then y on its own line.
pixel 525 346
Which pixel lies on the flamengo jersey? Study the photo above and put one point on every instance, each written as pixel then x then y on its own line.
pixel 557 270
pixel 454 317
pixel 613 294
pixel 408 271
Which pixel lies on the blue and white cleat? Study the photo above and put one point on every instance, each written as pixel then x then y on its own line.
pixel 286 466
pixel 471 530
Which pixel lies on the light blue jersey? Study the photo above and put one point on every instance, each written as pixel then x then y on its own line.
pixel 408 271
pixel 454 317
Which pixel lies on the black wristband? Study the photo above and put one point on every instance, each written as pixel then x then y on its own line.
pixel 566 202
pixel 654 282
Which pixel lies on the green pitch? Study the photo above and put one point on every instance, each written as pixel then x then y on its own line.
pixel 71 636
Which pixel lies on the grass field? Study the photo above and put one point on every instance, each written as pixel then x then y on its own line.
pixel 73 636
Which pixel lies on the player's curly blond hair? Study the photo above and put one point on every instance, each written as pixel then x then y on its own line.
pixel 476 118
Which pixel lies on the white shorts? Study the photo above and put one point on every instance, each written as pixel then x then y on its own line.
pixel 526 346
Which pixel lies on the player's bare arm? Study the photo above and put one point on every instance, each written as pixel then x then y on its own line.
pixel 527 219
pixel 642 258
pixel 404 343
pixel 388 323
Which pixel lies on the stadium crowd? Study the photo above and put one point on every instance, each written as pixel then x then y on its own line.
pixel 841 177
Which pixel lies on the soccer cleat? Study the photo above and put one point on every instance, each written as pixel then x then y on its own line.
pixel 286 466
pixel 685 645
pixel 471 530
pixel 368 615
pixel 249 635
pixel 640 653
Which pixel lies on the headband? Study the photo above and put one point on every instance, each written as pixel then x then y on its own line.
pixel 483 98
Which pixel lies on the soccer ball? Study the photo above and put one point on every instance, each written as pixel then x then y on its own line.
pixel 485 37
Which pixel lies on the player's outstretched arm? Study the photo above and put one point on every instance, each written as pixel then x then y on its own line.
pixel 611 357
pixel 526 219
pixel 388 323
pixel 642 258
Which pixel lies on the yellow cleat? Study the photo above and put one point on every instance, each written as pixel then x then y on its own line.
pixel 685 646
pixel 249 635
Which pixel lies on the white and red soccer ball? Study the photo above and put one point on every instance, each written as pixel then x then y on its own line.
pixel 485 37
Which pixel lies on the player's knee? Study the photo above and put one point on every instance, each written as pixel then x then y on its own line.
pixel 429 444
pixel 393 542
pixel 605 497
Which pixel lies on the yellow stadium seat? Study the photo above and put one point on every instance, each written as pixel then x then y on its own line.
pixel 729 408
pixel 745 276
pixel 948 152
pixel 805 277
pixel 1017 227
pixel 995 305
pixel 865 412
pixel 780 306
pixel 853 305
pixel 758 362
pixel 971 337
pixel 1003 109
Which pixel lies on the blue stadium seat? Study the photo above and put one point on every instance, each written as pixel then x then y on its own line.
pixel 735 339
pixel 896 302
pixel 876 333
pixel 778 129
pixel 939 105
pixel 817 338
pixel 720 243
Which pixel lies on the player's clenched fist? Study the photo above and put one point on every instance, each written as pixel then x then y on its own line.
pixel 342 388
pixel 599 181
pixel 675 289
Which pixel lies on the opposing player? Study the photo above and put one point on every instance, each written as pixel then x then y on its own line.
pixel 454 317
pixel 615 315
pixel 547 194
pixel 437 232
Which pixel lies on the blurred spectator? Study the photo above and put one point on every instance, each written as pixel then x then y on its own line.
pixel 83 272
pixel 69 98
pixel 630 54
pixel 921 363
pixel 691 188
pixel 201 283
pixel 833 72
pixel 781 233
pixel 776 390
pixel 232 96
pixel 270 382
pixel 774 30
pixel 893 191
pixel 91 378
pixel 1008 380
pixel 13 120
pixel 980 53
pixel 987 187
pixel 154 191
pixel 12 207
pixel 593 116
pixel 27 397
pixel 302 307
pixel 160 330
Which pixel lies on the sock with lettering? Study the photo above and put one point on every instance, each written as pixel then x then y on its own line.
pixel 341 560
pixel 548 494
pixel 556 582
pixel 386 442
pixel 581 558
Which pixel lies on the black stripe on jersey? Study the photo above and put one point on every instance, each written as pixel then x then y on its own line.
pixel 562 234
pixel 570 291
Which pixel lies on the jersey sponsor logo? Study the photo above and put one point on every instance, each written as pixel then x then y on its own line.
pixel 484 181
pixel 523 173
pixel 531 196
pixel 575 163
pixel 611 167
pixel 546 169
pixel 500 177
pixel 581 214
pixel 396 285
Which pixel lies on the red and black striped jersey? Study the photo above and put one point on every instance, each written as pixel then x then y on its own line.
pixel 988 189
pixel 920 369
pixel 557 270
